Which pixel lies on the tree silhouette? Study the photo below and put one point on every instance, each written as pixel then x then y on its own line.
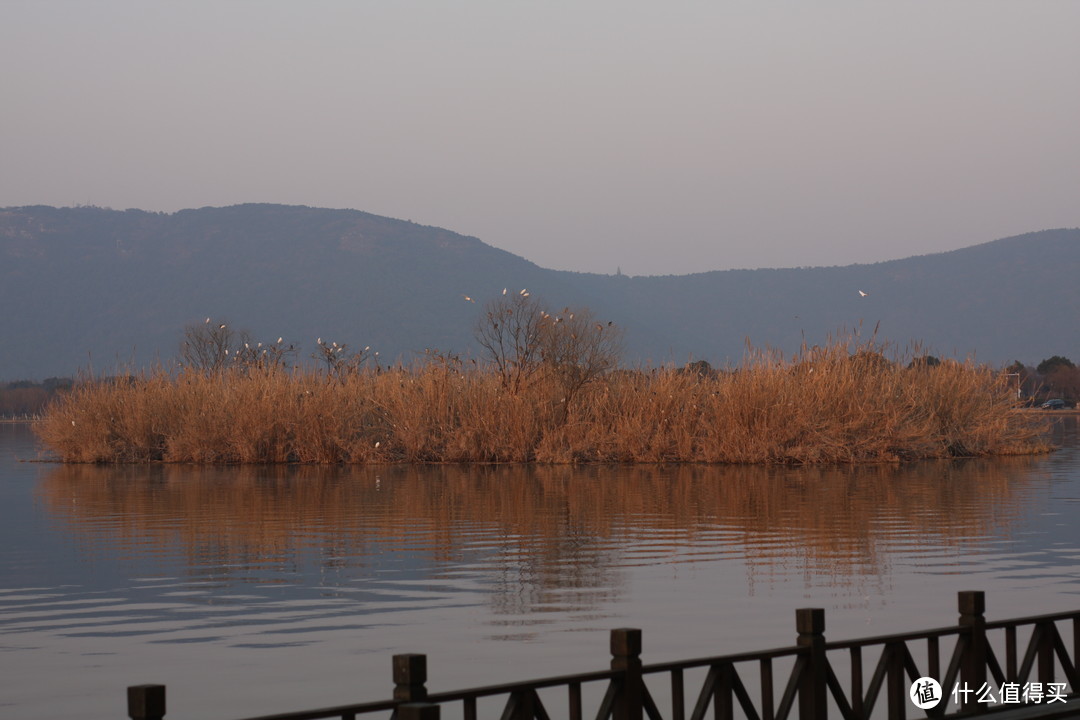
pixel 1049 365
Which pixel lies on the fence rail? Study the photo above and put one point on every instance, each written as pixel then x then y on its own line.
pixel 1037 679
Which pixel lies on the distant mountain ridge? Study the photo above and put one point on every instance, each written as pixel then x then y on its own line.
pixel 95 287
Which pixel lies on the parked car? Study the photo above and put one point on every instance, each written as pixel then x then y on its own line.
pixel 1055 404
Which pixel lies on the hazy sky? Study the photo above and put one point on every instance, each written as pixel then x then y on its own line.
pixel 655 137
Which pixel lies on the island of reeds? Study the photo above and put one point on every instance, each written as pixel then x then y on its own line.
pixel 548 390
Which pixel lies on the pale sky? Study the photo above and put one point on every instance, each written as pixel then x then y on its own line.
pixel 653 137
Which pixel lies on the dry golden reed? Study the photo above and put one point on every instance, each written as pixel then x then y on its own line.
pixel 829 405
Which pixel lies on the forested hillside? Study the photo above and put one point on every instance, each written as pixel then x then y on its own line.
pixel 90 287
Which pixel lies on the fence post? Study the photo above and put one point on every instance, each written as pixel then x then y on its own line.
pixel 972 604
pixel 523 702
pixel 626 656
pixel 410 674
pixel 813 685
pixel 1046 651
pixel 146 702
pixel 418 711
pixel 895 686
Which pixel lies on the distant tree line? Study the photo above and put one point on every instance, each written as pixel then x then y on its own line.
pixel 26 397
pixel 1054 377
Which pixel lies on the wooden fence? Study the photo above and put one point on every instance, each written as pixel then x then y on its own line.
pixel 1018 668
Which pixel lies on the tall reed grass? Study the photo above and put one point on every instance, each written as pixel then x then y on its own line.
pixel 826 405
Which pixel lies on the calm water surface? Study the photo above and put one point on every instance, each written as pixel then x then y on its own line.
pixel 259 590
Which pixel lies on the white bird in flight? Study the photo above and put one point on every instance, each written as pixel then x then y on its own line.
pixel 862 294
pixel 468 299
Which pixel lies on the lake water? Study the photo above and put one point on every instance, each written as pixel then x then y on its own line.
pixel 259 590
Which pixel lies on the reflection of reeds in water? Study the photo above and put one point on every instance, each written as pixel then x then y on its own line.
pixel 551 528
pixel 825 406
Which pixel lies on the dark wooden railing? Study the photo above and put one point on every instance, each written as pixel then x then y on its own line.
pixel 745 685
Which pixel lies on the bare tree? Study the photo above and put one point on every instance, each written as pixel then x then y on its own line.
pixel 510 331
pixel 522 339
pixel 263 357
pixel 578 349
pixel 210 346
pixel 339 362
pixel 213 347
